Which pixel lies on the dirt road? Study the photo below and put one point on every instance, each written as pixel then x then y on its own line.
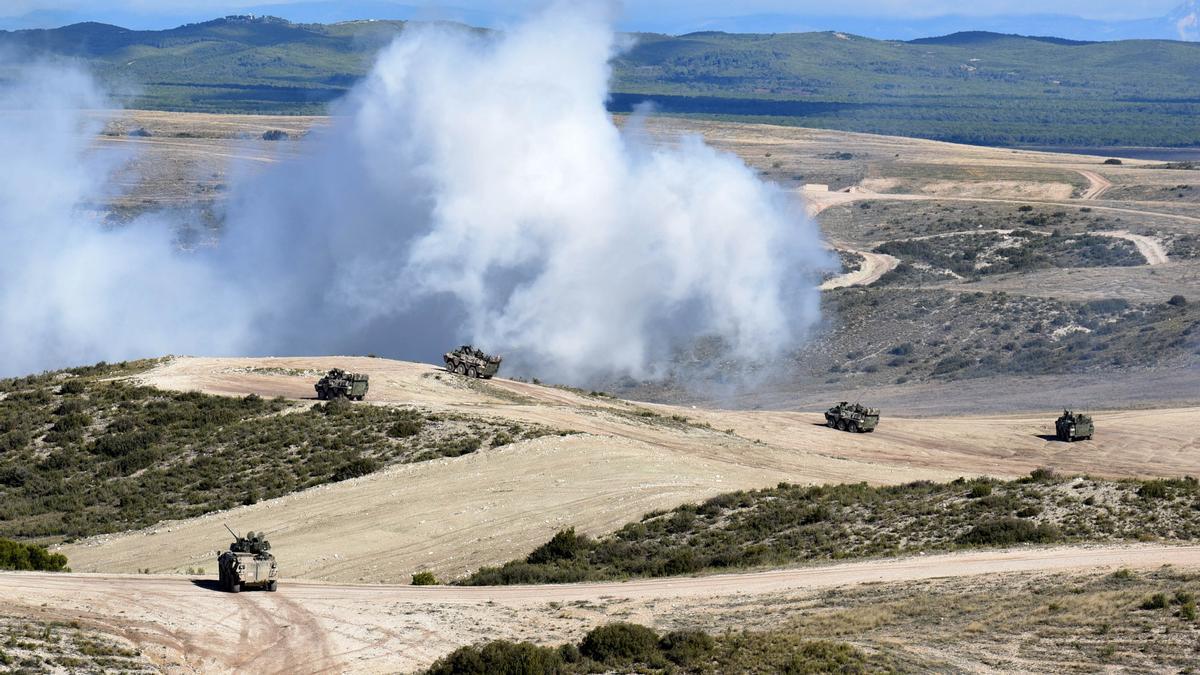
pixel 874 266
pixel 1150 248
pixel 186 624
pixel 1097 185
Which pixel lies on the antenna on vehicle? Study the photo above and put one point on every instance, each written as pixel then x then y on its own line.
pixel 235 534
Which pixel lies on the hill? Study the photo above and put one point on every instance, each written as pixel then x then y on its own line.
pixel 977 87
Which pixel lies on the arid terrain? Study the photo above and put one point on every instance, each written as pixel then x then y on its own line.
pixel 971 349
pixel 186 624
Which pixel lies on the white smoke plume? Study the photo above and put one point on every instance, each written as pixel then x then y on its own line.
pixel 70 290
pixel 472 188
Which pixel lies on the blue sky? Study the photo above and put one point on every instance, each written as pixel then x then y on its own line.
pixel 1080 19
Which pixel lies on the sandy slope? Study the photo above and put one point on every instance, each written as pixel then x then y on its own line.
pixel 187 625
pixel 454 515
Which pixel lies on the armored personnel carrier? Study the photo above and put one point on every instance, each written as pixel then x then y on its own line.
pixel 247 564
pixel 466 360
pixel 337 383
pixel 1073 426
pixel 852 417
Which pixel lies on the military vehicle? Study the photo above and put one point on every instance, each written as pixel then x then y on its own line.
pixel 466 360
pixel 852 417
pixel 1073 426
pixel 337 383
pixel 247 564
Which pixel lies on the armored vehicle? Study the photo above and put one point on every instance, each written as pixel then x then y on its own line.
pixel 1073 426
pixel 247 564
pixel 337 383
pixel 852 417
pixel 466 360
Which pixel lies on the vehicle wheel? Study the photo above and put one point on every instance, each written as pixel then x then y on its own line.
pixel 235 588
pixel 840 425
pixel 472 373
pixel 855 428
pixel 272 586
pixel 460 369
pixel 449 366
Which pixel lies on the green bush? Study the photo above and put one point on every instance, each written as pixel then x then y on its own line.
pixel 686 647
pixel 425 578
pixel 620 643
pixel 1008 531
pixel 565 545
pixel 355 467
pixel 822 656
pixel 1153 489
pixel 29 557
pixel 1156 601
pixel 406 427
pixel 499 658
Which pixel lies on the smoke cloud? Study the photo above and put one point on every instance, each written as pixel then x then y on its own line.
pixel 72 291
pixel 472 188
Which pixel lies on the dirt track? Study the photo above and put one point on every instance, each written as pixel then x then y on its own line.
pixel 874 266
pixel 1150 248
pixel 1097 185
pixel 454 515
pixel 186 624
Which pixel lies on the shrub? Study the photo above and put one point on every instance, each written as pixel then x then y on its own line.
pixel 358 466
pixel 1156 601
pixel 980 490
pixel 1042 475
pixel 1187 610
pixel 564 545
pixel 406 427
pixel 499 658
pixel 620 643
pixel 1007 531
pixel 1153 489
pixel 15 555
pixel 685 647
pixel 424 578
pixel 1177 301
pixel 822 656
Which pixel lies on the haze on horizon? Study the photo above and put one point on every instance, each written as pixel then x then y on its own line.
pixel 889 19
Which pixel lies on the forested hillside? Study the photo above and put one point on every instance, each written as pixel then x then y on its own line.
pixel 970 87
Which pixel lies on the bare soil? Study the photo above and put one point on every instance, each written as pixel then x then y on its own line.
pixel 187 624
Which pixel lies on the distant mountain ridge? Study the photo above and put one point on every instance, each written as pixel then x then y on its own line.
pixel 971 86
pixel 653 17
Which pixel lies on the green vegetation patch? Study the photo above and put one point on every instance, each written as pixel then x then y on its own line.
pixel 935 334
pixel 15 555
pixel 793 524
pixel 85 452
pixel 989 89
pixel 972 256
pixel 628 647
